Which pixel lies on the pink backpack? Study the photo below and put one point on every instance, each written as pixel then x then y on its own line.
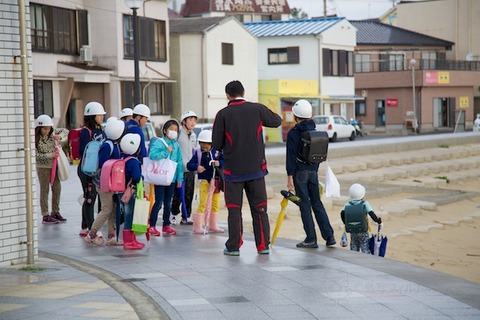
pixel 112 176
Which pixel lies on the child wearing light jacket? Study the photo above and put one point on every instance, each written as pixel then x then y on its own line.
pixel 46 140
pixel 162 148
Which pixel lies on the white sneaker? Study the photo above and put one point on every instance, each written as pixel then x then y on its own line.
pixel 173 219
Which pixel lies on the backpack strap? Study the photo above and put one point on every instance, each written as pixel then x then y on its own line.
pixel 110 143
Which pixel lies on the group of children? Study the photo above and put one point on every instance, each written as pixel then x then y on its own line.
pixel 123 139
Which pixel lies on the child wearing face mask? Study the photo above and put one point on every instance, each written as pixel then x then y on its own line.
pixel 168 148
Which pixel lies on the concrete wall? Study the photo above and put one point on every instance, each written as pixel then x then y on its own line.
pixel 13 206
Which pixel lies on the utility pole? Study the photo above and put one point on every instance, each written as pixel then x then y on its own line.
pixel 324 8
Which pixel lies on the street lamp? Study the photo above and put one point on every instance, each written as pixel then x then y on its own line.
pixel 134 5
pixel 413 62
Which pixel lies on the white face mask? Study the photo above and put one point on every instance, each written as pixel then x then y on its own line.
pixel 172 135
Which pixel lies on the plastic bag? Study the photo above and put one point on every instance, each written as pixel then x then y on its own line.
pixel 332 186
pixel 141 211
pixel 344 240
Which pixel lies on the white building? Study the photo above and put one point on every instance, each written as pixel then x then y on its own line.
pixel 310 59
pixel 206 54
pixel 82 51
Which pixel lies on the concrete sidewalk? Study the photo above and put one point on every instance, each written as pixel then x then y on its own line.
pixel 187 277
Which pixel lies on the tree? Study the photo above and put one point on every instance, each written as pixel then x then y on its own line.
pixel 298 13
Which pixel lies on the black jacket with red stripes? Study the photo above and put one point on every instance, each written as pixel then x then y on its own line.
pixel 237 131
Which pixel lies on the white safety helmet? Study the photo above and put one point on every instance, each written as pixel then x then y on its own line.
pixel 188 114
pixel 111 118
pixel 93 108
pixel 43 121
pixel 205 136
pixel 114 128
pixel 357 191
pixel 142 110
pixel 302 109
pixel 126 112
pixel 130 143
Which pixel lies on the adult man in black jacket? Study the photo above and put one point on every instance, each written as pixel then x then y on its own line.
pixel 237 131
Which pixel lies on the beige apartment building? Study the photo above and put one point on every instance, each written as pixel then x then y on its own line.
pixel 455 21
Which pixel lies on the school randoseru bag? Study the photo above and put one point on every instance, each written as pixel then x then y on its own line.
pixel 90 158
pixel 313 146
pixel 112 175
pixel 356 217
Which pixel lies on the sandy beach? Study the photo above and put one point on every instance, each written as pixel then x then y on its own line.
pixel 444 240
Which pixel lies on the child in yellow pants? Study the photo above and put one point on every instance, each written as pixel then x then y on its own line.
pixel 206 163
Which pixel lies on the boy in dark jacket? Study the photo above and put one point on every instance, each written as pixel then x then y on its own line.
pixel 303 178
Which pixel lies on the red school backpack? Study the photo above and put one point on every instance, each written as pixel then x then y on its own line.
pixel 112 176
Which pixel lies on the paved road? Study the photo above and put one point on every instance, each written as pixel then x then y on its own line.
pixel 187 277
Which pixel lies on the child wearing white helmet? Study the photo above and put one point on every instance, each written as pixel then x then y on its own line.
pixel 205 161
pixel 110 149
pixel 187 141
pixel 126 114
pixel 130 146
pixel 140 116
pixel 46 141
pixel 92 130
pixel 303 178
pixel 162 148
pixel 354 216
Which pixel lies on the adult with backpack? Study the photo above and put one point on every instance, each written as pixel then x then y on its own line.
pixel 91 132
pixel 109 150
pixel 140 116
pixel 303 178
pixel 354 216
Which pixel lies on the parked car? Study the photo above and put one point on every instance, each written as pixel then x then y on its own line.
pixel 335 126
pixel 149 133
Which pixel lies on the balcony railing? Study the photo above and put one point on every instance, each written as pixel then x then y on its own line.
pixel 425 64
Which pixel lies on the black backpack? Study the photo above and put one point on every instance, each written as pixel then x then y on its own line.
pixel 313 146
pixel 356 217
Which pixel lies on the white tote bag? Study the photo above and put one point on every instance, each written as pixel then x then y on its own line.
pixel 159 172
pixel 63 166
pixel 332 186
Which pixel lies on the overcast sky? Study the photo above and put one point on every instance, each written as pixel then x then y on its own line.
pixel 351 9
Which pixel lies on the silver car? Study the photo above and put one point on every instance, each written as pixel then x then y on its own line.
pixel 335 126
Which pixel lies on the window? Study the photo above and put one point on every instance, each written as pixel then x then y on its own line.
pixel 362 62
pixel 152 40
pixel 57 30
pixel 227 53
pixel 360 108
pixel 289 55
pixel 153 96
pixel 42 98
pixel 337 63
pixel 391 62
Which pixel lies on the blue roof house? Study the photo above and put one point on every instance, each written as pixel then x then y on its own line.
pixel 312 59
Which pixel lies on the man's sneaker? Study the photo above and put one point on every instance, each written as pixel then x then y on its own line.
pixel 188 221
pixel 264 251
pixel 304 244
pixel 58 216
pixel 49 220
pixel 96 240
pixel 112 241
pixel 173 220
pixel 231 253
pixel 83 232
pixel 169 230
pixel 331 242
pixel 153 231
